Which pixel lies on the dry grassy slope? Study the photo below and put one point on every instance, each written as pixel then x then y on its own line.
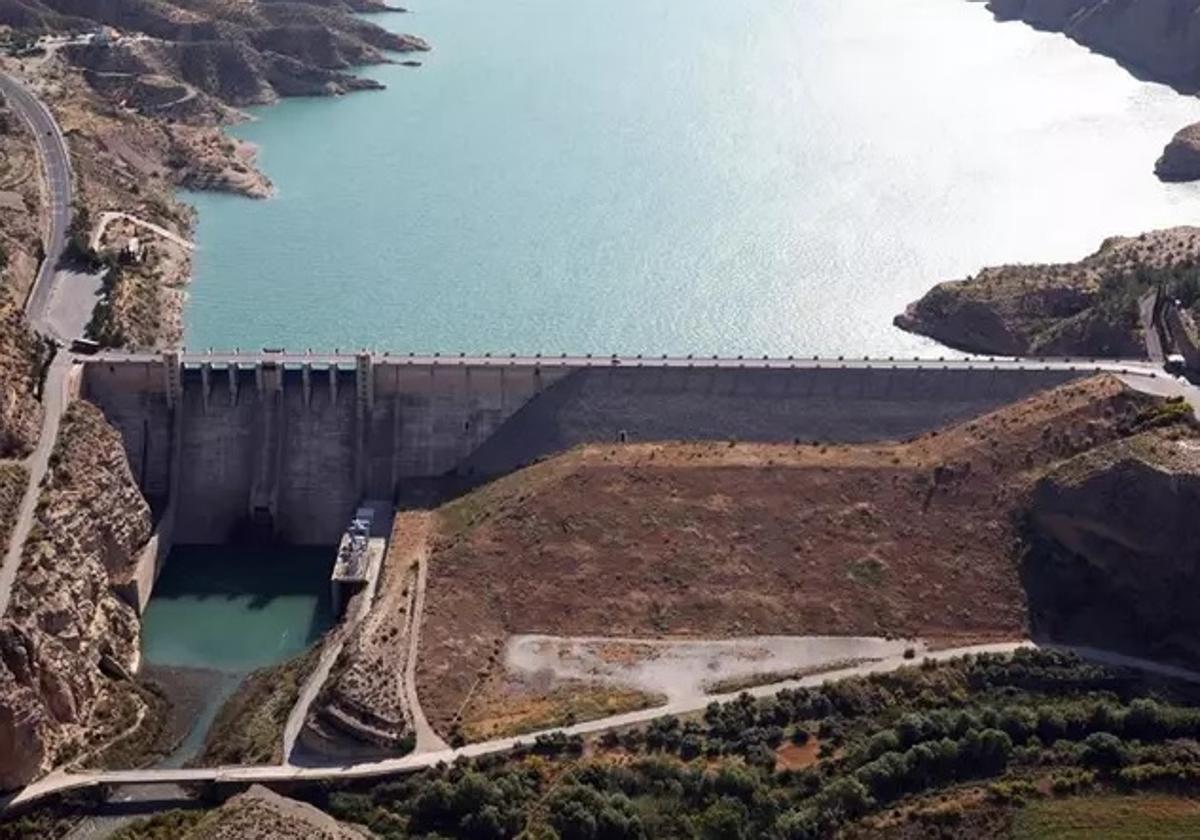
pixel 1081 308
pixel 64 626
pixel 719 540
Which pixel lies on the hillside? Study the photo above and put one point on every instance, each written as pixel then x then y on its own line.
pixel 1086 308
pixel 720 540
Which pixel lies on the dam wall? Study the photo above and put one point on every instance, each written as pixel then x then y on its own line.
pixel 293 447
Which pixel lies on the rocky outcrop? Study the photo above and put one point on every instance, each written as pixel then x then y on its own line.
pixel 1180 161
pixel 1114 557
pixel 67 640
pixel 1087 308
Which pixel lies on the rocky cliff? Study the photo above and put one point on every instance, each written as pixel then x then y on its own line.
pixel 1156 39
pixel 1085 308
pixel 67 642
pixel 1114 557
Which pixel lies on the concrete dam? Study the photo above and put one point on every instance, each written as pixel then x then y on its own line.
pixel 292 443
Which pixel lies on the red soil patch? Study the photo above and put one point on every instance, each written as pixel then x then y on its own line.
pixel 791 756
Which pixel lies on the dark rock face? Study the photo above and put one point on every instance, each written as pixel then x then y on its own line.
pixel 1181 159
pixel 1114 555
pixel 1159 39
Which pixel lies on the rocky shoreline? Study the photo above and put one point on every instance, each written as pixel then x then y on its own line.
pixel 1085 308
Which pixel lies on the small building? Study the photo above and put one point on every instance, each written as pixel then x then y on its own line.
pixel 104 36
pixel 134 251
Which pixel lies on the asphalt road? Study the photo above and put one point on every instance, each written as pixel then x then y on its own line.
pixel 56 164
pixel 56 161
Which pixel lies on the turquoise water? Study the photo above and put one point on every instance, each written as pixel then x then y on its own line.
pixel 775 176
pixel 237 608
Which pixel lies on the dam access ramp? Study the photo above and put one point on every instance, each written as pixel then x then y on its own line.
pixel 292 442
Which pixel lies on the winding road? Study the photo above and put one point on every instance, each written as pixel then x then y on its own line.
pixel 56 163
pixel 56 166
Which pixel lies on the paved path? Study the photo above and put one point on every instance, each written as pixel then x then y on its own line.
pixel 56 163
pixel 111 216
pixel 54 400
pixel 427 739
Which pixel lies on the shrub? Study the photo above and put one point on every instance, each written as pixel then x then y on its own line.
pixel 1104 751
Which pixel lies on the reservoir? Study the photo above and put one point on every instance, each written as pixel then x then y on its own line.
pixel 219 612
pixel 771 176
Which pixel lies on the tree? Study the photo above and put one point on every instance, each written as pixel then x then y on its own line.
pixel 1104 751
pixel 725 819
pixel 581 813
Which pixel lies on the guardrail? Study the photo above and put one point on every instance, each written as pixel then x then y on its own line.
pixel 338 359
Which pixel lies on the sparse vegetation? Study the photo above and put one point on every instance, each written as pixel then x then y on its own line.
pixel 503 714
pixel 167 826
pixel 249 727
